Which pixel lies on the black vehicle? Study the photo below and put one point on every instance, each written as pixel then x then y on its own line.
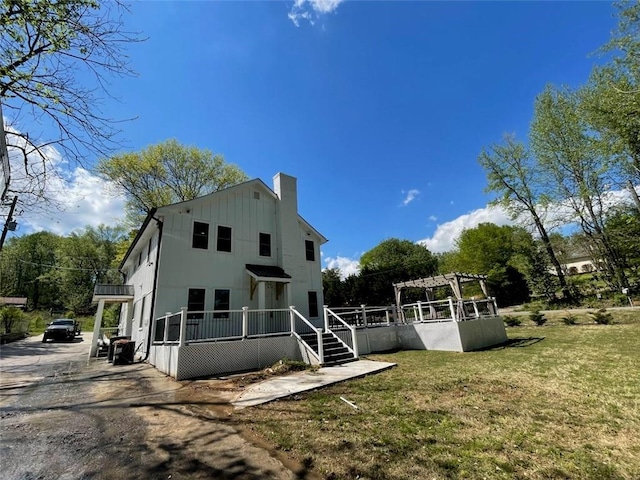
pixel 62 329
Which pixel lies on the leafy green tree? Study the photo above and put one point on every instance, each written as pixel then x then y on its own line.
pixel 491 250
pixel 334 295
pixel 48 50
pixel 392 260
pixel 512 173
pixel 167 173
pixel 623 226
pixel 409 259
pixel 625 40
pixel 27 269
pixel 10 318
pixel 611 99
pixel 577 172
pixel 85 260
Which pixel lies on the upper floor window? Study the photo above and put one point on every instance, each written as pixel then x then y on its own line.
pixel 310 250
pixel 224 239
pixel 200 235
pixel 265 245
pixel 149 250
pixel 140 258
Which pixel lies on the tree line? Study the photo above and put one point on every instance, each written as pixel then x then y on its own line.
pixel 583 149
pixel 584 144
pixel 514 260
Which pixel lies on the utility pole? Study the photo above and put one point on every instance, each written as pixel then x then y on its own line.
pixel 9 225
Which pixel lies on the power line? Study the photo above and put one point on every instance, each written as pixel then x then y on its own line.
pixel 57 267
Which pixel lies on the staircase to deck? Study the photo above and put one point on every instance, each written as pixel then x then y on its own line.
pixel 335 352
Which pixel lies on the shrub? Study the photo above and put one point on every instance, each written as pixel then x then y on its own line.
pixel 37 324
pixel 538 318
pixel 569 319
pixel 11 319
pixel 602 317
pixel 511 321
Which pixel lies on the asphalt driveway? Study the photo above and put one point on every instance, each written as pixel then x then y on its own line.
pixel 63 417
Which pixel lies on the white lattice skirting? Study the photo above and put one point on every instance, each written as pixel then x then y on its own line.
pixel 223 357
pixel 216 358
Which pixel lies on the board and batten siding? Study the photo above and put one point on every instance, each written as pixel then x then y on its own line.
pixel 248 209
pixel 183 267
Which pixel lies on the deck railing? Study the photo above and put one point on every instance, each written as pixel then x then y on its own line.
pixel 346 333
pixel 365 316
pixel 449 310
pixel 206 326
pixel 301 326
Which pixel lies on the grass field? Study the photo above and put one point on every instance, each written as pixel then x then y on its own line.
pixel 561 402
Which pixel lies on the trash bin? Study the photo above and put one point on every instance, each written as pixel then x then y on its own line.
pixel 112 342
pixel 123 352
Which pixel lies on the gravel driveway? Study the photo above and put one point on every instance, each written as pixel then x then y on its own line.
pixel 62 417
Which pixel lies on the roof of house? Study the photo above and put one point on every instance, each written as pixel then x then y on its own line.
pixel 152 213
pixel 15 301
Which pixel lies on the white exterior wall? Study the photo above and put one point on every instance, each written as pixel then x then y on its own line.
pixel 248 209
pixel 137 323
pixel 183 267
pixel 292 255
pixel 482 333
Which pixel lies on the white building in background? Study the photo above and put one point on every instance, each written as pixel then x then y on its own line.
pixel 245 246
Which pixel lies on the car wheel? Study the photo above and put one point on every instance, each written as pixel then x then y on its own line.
pixel 44 339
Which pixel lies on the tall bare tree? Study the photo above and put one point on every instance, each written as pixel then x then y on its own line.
pixel 512 173
pixel 567 150
pixel 48 50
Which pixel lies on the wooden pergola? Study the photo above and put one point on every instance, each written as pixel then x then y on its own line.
pixel 453 280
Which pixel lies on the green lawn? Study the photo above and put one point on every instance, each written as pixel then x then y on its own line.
pixel 562 402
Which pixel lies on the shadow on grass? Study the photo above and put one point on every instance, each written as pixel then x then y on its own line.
pixel 515 343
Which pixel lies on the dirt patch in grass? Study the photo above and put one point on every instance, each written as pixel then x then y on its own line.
pixel 280 368
pixel 564 406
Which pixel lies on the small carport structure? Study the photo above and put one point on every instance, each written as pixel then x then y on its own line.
pixel 109 294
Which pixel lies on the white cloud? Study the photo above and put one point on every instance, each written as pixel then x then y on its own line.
pixel 62 199
pixel 443 239
pixel 446 234
pixel 83 199
pixel 310 10
pixel 433 218
pixel 411 195
pixel 347 266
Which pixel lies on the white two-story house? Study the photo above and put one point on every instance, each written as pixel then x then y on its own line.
pixel 244 246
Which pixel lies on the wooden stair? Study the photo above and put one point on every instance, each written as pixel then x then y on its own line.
pixel 335 352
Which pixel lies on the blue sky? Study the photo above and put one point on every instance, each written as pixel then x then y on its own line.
pixel 380 109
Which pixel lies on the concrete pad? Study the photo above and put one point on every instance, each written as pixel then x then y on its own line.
pixel 280 387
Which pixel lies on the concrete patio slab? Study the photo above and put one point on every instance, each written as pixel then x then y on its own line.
pixel 281 387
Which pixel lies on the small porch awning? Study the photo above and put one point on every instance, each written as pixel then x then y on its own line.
pixel 112 293
pixel 268 273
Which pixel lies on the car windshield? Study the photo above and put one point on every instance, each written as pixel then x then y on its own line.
pixel 62 321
